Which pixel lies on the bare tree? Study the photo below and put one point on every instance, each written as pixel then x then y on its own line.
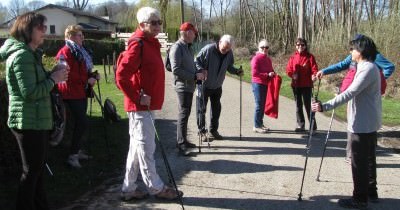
pixel 80 4
pixel 34 5
pixel 16 7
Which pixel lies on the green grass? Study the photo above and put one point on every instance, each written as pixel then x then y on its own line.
pixel 108 161
pixel 390 107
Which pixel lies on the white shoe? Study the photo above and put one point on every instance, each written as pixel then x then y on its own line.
pixel 73 161
pixel 259 130
pixel 265 128
pixel 83 156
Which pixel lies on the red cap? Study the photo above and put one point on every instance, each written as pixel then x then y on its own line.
pixel 186 26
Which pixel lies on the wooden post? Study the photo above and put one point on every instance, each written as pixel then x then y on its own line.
pixel 300 32
pixel 108 64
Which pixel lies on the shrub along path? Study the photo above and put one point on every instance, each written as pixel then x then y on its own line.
pixel 260 171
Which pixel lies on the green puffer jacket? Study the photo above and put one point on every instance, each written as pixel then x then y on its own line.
pixel 28 86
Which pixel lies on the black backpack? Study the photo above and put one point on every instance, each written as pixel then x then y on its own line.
pixel 167 64
pixel 110 111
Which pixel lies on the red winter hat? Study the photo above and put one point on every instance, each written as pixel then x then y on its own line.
pixel 186 26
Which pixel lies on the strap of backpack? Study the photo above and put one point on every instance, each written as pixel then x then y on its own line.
pixel 141 48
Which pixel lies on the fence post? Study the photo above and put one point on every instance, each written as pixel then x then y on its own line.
pixel 104 69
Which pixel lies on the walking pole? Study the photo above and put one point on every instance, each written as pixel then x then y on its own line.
pixel 240 106
pixel 308 147
pixel 327 137
pixel 48 169
pixel 167 166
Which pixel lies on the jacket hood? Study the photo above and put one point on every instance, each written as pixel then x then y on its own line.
pixel 10 46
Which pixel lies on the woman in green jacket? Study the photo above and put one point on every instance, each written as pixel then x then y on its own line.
pixel 30 113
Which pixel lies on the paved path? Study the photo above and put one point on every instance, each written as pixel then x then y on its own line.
pixel 261 171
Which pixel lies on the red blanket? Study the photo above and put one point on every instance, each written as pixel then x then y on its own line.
pixel 272 100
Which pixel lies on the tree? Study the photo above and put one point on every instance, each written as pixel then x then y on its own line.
pixel 16 7
pixel 80 4
pixel 33 5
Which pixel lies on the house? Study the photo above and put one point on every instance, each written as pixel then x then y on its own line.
pixel 59 17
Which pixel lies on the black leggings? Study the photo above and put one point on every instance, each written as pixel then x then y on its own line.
pixel 33 148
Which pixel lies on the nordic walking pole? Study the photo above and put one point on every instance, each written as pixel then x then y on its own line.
pixel 326 143
pixel 308 147
pixel 327 138
pixel 167 166
pixel 240 105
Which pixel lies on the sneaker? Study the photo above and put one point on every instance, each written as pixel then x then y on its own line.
pixel 184 150
pixel 73 161
pixel 259 130
pixel 190 145
pixel 350 203
pixel 265 128
pixel 215 135
pixel 299 129
pixel 137 194
pixel 83 156
pixel 373 198
pixel 169 193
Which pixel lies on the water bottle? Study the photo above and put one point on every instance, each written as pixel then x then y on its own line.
pixel 62 64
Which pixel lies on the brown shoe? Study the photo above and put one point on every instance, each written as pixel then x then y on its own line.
pixel 169 194
pixel 137 194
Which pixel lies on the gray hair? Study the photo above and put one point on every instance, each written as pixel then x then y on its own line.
pixel 263 42
pixel 228 39
pixel 144 14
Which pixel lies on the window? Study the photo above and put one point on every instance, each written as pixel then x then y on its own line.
pixel 52 29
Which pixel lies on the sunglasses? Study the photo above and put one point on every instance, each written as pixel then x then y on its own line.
pixel 155 22
pixel 264 47
pixel 42 27
pixel 351 49
pixel 298 45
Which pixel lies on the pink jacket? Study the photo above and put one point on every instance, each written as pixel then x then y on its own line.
pixel 261 66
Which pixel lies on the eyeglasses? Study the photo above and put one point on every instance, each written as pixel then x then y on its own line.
pixel 298 45
pixel 155 22
pixel 351 49
pixel 42 27
pixel 264 47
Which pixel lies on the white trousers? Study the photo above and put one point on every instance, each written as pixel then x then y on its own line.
pixel 141 154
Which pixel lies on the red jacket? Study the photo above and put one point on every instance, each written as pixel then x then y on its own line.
pixel 261 65
pixel 141 68
pixel 305 66
pixel 74 88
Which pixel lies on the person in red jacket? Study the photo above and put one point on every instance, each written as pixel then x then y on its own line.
pixel 261 72
pixel 140 76
pixel 74 90
pixel 300 68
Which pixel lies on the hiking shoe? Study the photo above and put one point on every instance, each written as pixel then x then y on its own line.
pixel 299 129
pixel 73 161
pixel 190 145
pixel 265 128
pixel 373 198
pixel 215 135
pixel 259 130
pixel 350 203
pixel 169 193
pixel 137 194
pixel 83 156
pixel 184 150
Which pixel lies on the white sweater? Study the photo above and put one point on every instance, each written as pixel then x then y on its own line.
pixel 364 110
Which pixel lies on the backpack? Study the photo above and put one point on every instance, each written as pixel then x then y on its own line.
pixel 167 64
pixel 122 54
pixel 59 117
pixel 110 111
pixel 348 79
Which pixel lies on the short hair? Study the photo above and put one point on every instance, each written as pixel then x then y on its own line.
pixel 228 39
pixel 304 41
pixel 263 42
pixel 72 30
pixel 144 14
pixel 22 28
pixel 366 47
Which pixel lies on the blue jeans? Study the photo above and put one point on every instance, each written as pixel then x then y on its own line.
pixel 260 94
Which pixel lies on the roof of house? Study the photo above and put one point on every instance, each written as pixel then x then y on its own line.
pixel 69 10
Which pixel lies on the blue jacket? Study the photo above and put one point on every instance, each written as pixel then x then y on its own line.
pixel 382 63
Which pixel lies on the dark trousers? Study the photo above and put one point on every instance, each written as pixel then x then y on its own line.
pixel 215 98
pixel 363 165
pixel 302 95
pixel 33 147
pixel 185 106
pixel 77 108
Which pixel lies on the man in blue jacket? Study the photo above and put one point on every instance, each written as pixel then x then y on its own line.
pixel 215 59
pixel 385 65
